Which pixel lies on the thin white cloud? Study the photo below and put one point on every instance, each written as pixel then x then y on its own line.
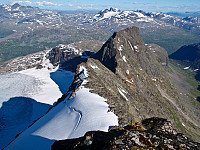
pixel 79 7
pixel 45 3
pixel 41 4
pixel 70 5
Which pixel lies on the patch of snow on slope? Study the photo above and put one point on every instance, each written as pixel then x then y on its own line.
pixel 130 45
pixel 95 67
pixel 63 79
pixel 121 91
pixel 120 48
pixel 16 85
pixel 127 71
pixel 124 58
pixel 64 122
pixel 186 68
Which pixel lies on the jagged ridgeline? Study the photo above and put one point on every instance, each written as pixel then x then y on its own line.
pixel 125 81
pixel 133 77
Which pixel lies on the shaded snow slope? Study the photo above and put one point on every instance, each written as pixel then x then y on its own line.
pixel 69 119
pixel 16 115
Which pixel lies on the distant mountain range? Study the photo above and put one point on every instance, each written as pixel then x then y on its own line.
pixel 26 29
pixel 185 14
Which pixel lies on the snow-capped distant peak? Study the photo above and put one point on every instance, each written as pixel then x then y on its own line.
pixel 110 10
pixel 107 13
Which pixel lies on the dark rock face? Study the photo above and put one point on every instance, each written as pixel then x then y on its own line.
pixel 58 56
pixel 188 53
pixel 158 134
pixel 107 54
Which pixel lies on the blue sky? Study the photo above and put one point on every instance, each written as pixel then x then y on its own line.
pixel 146 5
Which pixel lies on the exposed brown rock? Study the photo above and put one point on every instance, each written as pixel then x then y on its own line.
pixel 156 136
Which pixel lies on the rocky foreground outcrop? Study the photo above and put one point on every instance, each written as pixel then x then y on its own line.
pixel 149 134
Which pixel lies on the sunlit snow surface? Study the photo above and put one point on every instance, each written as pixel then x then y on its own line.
pixel 42 85
pixel 69 119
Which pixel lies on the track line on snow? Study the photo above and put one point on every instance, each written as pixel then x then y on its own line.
pixel 80 116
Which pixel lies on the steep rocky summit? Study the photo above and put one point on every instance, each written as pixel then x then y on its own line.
pixel 133 77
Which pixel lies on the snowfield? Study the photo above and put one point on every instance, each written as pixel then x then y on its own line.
pixel 69 119
pixel 53 84
pixel 26 96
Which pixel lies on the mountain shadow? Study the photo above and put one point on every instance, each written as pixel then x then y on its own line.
pixel 197 76
pixel 16 115
pixel 71 65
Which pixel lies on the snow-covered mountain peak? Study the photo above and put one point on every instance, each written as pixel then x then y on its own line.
pixel 110 10
pixel 107 13
pixel 122 16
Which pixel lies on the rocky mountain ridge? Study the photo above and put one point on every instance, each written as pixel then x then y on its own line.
pixel 150 134
pixel 55 56
pixel 139 73
pixel 130 75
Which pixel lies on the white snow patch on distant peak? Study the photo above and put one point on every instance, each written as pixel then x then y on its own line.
pixel 140 15
pixel 144 20
pixel 106 15
pixel 126 13
pixel 123 92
